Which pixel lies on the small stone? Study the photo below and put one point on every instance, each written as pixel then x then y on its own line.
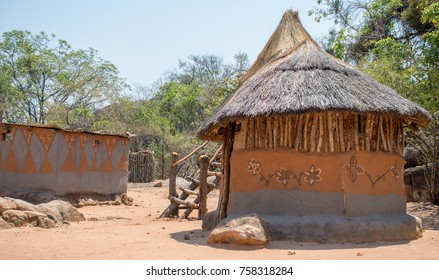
pixel 158 184
pixel 187 237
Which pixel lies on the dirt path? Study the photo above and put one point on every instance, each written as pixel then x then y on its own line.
pixel 134 232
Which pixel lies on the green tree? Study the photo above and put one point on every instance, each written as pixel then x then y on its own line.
pixel 395 41
pixel 43 76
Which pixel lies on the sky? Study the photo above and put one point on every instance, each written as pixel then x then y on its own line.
pixel 145 39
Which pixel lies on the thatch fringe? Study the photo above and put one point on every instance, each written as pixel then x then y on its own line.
pixel 328 132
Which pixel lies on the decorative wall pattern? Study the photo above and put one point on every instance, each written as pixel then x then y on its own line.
pixel 355 170
pixel 284 176
pixel 40 151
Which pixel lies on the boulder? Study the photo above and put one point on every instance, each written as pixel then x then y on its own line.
pixel 210 220
pixel 6 204
pixel 412 157
pixel 4 224
pixel 66 211
pixel 22 205
pixel 244 230
pixel 23 218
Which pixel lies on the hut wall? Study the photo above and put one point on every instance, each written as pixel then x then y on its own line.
pixel 34 159
pixel 323 133
pixel 285 182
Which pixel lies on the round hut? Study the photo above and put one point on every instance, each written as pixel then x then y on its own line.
pixel 314 146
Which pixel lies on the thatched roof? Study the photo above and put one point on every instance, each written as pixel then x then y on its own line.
pixel 294 75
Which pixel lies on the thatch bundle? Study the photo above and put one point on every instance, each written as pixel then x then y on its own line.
pixel 294 76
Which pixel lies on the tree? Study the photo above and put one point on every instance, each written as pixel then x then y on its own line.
pixel 41 76
pixel 395 41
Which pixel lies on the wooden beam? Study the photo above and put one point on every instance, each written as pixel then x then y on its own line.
pixel 204 165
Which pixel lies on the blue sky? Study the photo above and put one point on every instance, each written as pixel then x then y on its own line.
pixel 144 39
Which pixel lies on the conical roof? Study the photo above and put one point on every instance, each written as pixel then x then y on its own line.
pixel 294 75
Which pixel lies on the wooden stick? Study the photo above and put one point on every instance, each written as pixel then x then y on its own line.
pixel 388 130
pixel 341 132
pixel 251 133
pixel 298 133
pixel 288 132
pixel 356 141
pixel 319 144
pixel 313 132
pixel 270 133
pixel 275 131
pixel 260 133
pixel 331 132
pixel 204 165
pixel 216 154
pixel 305 132
pixel 190 154
pixel 173 175
pixel 367 131
pixel 183 202
pixel 383 136
pixel 188 192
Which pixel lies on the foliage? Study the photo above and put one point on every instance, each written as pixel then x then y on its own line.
pixel 395 41
pixel 40 76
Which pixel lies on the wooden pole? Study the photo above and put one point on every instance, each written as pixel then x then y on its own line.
pixel 341 131
pixel 270 133
pixel 331 132
pixel 305 132
pixel 319 144
pixel 275 131
pixel 190 154
pixel 313 132
pixel 225 189
pixel 383 136
pixel 204 164
pixel 356 128
pixel 173 180
pixel 298 133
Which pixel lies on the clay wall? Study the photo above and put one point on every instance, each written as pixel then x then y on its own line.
pixel 34 158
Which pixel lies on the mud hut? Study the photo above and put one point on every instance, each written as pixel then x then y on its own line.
pixel 314 146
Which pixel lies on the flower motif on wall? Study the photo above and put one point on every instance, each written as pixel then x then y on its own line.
pixel 394 171
pixel 353 169
pixel 283 176
pixel 313 175
pixel 254 166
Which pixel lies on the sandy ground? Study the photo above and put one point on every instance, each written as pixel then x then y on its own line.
pixel 135 233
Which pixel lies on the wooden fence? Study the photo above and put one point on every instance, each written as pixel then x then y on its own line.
pixel 141 167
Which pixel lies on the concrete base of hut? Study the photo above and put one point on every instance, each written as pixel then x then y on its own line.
pixel 339 229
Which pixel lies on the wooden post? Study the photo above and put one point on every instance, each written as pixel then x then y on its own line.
pixel 319 143
pixel 341 131
pixel 173 180
pixel 225 188
pixel 204 164
pixel 331 132
pixel 298 133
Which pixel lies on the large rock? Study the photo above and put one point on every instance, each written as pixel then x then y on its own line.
pixel 210 220
pixel 4 224
pixel 22 205
pixel 23 218
pixel 6 204
pixel 245 230
pixel 65 210
pixel 412 157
